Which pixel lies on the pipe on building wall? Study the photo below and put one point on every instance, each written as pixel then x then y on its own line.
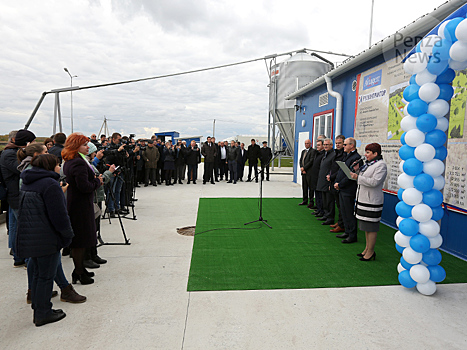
pixel 339 105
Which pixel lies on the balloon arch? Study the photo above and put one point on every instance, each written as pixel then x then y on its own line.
pixel 432 64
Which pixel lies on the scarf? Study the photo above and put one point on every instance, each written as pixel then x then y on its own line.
pixel 367 163
pixel 86 160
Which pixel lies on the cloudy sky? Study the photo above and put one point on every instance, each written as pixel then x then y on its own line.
pixel 104 41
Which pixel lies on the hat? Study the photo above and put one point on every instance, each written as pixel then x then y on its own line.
pixel 264 142
pixel 151 142
pixel 23 137
pixel 92 148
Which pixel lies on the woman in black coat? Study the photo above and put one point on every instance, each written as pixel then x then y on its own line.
pixel 43 229
pixel 169 163
pixel 80 202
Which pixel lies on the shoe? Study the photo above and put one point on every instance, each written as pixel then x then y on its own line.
pixel 123 211
pixel 235 182
pixel 146 185
pixel 267 179
pixel 180 182
pixel 373 257
pixel 249 180
pixel 137 186
pixel 327 222
pixel 304 203
pixel 344 235
pixel 83 278
pixel 98 260
pixel 56 315
pixel 348 240
pixel 229 182
pixel 188 182
pixel 217 180
pixel 194 182
pixel 20 263
pixel 204 182
pixel 321 218
pixel 256 181
pixel 89 264
pixel 313 207
pixel 360 254
pixel 337 230
pixel 89 274
pixel 155 185
pixel 69 295
pixel 213 183
pixel 319 215
pixel 309 206
pixel 112 214
pixel 334 225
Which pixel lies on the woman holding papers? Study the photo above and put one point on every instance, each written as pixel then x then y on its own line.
pixel 370 197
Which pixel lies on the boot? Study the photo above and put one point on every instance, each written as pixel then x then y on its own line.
pixel 71 296
pixel 96 258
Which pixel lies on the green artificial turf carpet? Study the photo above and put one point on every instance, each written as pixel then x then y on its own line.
pixel 298 252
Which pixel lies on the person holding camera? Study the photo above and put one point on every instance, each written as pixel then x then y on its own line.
pixel 193 158
pixel 150 157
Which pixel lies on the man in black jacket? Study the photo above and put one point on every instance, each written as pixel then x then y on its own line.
pixel 254 153
pixel 340 154
pixel 347 190
pixel 241 160
pixel 216 160
pixel 193 158
pixel 179 161
pixel 232 156
pixel 59 143
pixel 323 183
pixel 319 212
pixel 306 162
pixel 209 152
pixel 266 156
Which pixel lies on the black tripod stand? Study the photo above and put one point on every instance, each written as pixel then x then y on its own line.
pixel 261 195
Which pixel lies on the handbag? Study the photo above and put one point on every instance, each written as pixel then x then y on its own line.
pixel 97 211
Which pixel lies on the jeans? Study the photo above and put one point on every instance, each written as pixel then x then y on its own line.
pixel 60 278
pixel 250 166
pixel 12 228
pixel 116 185
pixel 233 170
pixel 45 269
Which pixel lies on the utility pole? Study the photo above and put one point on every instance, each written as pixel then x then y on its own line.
pixel 371 22
pixel 213 128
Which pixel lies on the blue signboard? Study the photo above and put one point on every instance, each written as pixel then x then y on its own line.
pixel 372 80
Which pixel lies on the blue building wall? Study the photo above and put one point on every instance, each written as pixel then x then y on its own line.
pixel 452 224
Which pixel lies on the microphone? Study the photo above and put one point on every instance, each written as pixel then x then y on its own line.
pixel 358 161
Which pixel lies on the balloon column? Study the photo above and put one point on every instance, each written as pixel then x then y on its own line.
pixel 432 66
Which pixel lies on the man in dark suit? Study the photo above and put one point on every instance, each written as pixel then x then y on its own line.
pixel 340 154
pixel 347 190
pixel 241 160
pixel 254 152
pixel 324 184
pixel 209 153
pixel 193 158
pixel 319 212
pixel 216 160
pixel 306 162
pixel 265 158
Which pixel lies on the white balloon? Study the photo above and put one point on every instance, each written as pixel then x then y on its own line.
pixel 405 109
pixel 443 124
pixel 429 92
pixel 416 63
pixel 408 123
pixel 400 268
pixel 405 181
pixel 429 228
pixel 412 196
pixel 428 288
pixel 436 241
pixel 401 164
pixel 461 31
pixel 438 108
pixel 411 256
pixel 414 137
pixel 422 212
pixel 419 273
pixel 457 65
pixel 425 77
pixel 458 51
pixel 434 167
pixel 439 182
pixel 398 220
pixel 425 152
pixel 426 46
pixel 401 239
pixel 441 28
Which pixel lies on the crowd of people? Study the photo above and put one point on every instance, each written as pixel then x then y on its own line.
pixel 358 195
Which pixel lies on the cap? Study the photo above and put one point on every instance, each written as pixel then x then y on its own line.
pixel 23 137
pixel 92 148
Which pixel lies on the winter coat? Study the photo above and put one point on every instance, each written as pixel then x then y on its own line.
pixel 180 155
pixel 315 169
pixel 151 156
pixel 324 169
pixel 10 173
pixel 254 152
pixel 56 150
pixel 80 196
pixel 43 223
pixel 169 155
pixel 266 155
pixel 232 153
pixel 209 152
pixel 193 155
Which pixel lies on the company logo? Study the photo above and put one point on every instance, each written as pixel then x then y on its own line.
pixel 372 80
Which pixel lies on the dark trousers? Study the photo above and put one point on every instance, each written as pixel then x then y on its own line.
pixel 160 176
pixel 216 169
pixel 223 169
pixel 250 166
pixel 306 189
pixel 265 169
pixel 208 171
pixel 233 169
pixel 240 170
pixel 319 201
pixel 45 268
pixel 347 204
pixel 179 175
pixel 340 221
pixel 329 205
pixel 183 171
pixel 150 174
pixel 192 172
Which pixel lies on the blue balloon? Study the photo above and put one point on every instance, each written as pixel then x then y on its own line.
pixel 441 153
pixel 408 227
pixel 420 243
pixel 399 248
pixel 417 48
pixel 436 138
pixel 433 198
pixel 406 152
pixel 403 138
pixel 426 122
pixel 403 209
pixel 446 92
pixel 432 257
pixel 437 273
pixel 438 213
pixel 447 77
pixel 412 166
pixel 450 29
pixel 405 279
pixel 411 92
pixel 405 264
pixel 423 182
pixel 441 50
pixel 417 107
pixel 412 79
pixel 399 193
pixel 436 66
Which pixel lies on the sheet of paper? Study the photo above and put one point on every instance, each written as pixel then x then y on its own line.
pixel 345 169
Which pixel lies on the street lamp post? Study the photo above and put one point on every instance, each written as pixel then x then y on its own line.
pixel 71 94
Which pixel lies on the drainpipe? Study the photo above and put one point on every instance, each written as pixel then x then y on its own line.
pixel 338 97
